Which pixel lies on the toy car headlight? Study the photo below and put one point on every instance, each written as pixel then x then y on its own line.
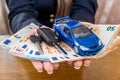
pixel 100 43
pixel 84 48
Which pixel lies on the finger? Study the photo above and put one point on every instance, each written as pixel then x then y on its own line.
pixel 38 65
pixel 55 66
pixel 87 62
pixel 48 67
pixel 77 64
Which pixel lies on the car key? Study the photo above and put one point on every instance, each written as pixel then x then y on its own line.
pixel 37 40
pixel 50 38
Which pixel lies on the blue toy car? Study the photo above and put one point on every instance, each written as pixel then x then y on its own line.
pixel 83 41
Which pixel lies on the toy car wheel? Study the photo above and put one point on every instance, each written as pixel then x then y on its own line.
pixel 75 49
pixel 57 34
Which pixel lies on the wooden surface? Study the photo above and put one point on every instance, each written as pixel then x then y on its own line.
pixel 14 68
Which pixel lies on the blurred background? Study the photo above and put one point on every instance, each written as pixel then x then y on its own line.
pixel 107 68
pixel 107 13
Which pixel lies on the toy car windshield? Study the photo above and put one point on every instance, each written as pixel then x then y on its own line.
pixel 63 20
pixel 81 31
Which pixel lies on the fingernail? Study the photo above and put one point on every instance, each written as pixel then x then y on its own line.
pixel 77 67
pixel 50 72
pixel 86 65
pixel 40 71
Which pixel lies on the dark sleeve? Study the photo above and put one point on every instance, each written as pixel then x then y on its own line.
pixel 22 13
pixel 84 10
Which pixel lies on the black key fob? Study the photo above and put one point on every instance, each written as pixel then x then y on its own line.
pixel 48 36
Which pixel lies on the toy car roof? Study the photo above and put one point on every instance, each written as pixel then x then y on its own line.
pixel 73 24
pixel 68 21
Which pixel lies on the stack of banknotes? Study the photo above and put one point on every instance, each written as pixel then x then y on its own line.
pixel 19 44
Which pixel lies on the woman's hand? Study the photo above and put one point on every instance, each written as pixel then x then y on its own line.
pixel 77 64
pixel 45 65
pixel 50 67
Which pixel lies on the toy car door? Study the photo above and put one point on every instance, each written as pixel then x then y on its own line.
pixel 67 36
